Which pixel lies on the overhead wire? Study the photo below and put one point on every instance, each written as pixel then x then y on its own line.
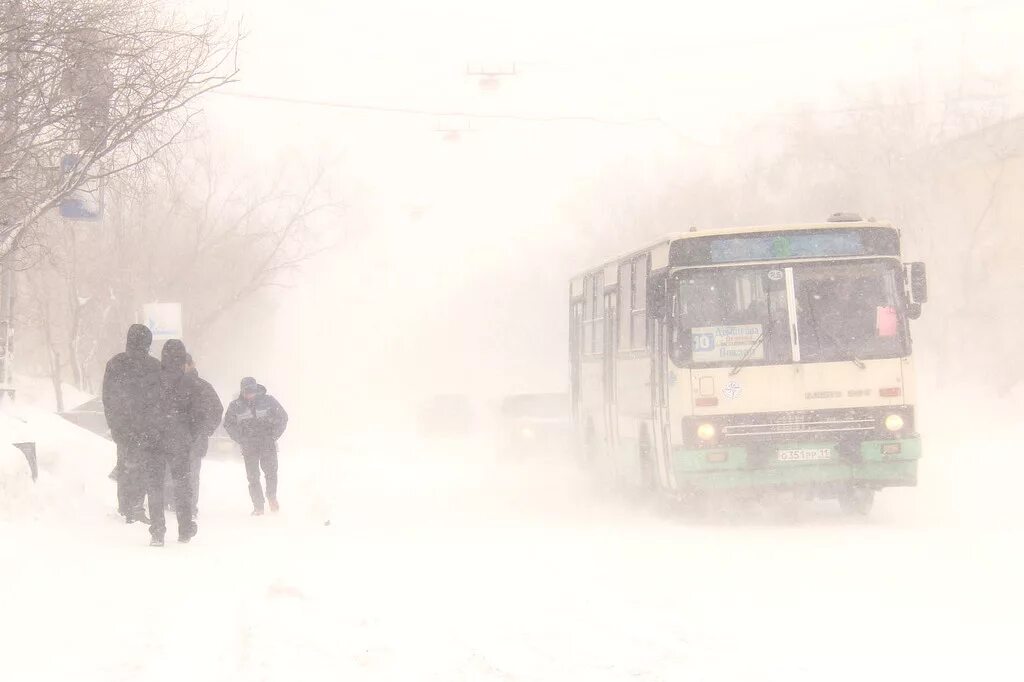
pixel 440 113
pixel 645 121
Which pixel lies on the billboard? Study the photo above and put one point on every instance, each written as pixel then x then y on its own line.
pixel 163 319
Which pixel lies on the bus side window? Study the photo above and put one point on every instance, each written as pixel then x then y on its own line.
pixel 597 331
pixel 639 307
pixel 625 305
pixel 588 314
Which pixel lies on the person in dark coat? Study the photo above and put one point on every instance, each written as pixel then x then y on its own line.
pixel 179 410
pixel 130 385
pixel 255 420
pixel 211 410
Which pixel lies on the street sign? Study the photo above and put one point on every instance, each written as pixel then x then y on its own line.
pixel 82 203
pixel 163 319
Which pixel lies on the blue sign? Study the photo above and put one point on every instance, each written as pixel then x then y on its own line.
pixel 785 246
pixel 81 203
pixel 703 343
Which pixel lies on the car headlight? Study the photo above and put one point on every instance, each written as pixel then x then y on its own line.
pixel 894 422
pixel 706 432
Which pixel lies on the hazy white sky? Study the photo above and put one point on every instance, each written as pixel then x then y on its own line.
pixel 457 217
pixel 692 63
pixel 705 71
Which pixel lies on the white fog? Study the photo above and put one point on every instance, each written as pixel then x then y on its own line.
pixel 510 341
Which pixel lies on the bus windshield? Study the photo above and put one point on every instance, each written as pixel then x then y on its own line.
pixel 850 310
pixel 734 316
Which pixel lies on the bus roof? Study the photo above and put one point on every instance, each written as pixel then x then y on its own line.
pixel 776 228
pixel 753 229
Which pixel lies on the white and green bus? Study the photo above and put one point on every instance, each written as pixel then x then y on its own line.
pixel 751 360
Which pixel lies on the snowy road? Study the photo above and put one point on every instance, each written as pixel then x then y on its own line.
pixel 456 568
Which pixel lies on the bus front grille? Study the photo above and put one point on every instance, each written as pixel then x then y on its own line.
pixel 841 425
pixel 814 428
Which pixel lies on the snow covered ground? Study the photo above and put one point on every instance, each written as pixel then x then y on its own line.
pixel 443 564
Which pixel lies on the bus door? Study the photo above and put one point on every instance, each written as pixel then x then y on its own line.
pixel 660 385
pixel 575 363
pixel 611 413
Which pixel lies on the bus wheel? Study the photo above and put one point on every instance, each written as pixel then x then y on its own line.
pixel 856 501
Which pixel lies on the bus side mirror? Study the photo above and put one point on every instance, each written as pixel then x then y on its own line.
pixel 914 311
pixel 918 283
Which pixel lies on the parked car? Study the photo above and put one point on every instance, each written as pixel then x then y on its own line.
pixel 535 423
pixel 89 416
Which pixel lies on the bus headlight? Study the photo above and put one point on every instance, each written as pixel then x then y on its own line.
pixel 894 422
pixel 706 432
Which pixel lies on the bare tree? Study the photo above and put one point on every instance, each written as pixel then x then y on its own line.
pixel 183 228
pixel 89 89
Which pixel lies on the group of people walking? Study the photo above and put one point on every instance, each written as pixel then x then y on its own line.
pixel 161 416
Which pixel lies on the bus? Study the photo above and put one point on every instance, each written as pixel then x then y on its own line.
pixel 751 361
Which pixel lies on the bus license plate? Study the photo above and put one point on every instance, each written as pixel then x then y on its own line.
pixel 805 454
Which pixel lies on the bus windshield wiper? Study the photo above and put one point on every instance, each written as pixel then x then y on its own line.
pixel 750 351
pixel 845 350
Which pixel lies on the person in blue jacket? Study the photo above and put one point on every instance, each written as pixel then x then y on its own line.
pixel 255 420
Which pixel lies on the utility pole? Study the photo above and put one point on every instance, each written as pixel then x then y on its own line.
pixel 8 131
pixel 7 330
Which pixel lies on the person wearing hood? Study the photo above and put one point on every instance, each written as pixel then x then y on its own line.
pixel 130 388
pixel 210 412
pixel 255 420
pixel 178 414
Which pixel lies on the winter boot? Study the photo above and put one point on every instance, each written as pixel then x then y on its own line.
pixel 137 515
pixel 187 533
pixel 258 511
pixel 156 542
pixel 274 506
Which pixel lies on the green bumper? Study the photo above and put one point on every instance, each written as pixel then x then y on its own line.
pixel 874 466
